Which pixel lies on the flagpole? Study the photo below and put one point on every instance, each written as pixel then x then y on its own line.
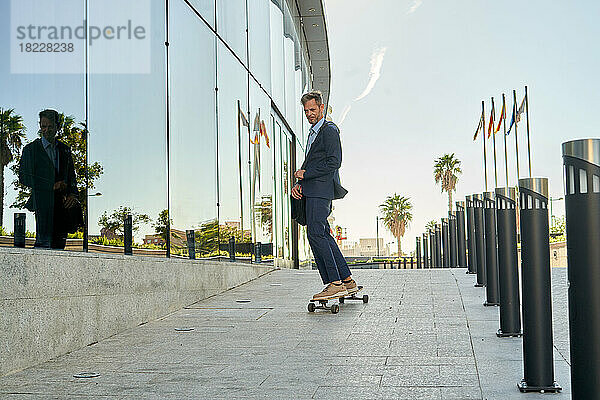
pixel 494 140
pixel 516 136
pixel 483 138
pixel 528 142
pixel 503 116
pixel 239 133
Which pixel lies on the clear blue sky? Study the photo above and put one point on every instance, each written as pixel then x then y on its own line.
pixel 441 60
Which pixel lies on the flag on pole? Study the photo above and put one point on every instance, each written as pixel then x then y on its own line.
pixel 478 127
pixel 516 117
pixel 491 124
pixel 243 117
pixel 502 115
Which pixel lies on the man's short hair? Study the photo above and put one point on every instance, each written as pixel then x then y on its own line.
pixel 51 115
pixel 315 95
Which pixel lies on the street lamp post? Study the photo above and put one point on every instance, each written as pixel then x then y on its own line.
pixel 377 239
pixel 552 199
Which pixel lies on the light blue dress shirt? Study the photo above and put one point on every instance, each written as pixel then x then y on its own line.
pixel 313 132
pixel 51 151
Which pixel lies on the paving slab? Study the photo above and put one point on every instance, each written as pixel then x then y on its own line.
pixel 424 334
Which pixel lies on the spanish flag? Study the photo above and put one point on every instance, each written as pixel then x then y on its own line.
pixel 491 124
pixel 502 115
pixel 478 128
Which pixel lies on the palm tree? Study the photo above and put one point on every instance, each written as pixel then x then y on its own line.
pixel 397 215
pixel 430 226
pixel 446 170
pixel 12 135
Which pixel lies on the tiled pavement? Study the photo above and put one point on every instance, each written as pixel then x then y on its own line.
pixel 423 335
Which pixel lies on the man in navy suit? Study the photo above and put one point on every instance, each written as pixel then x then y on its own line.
pixel 319 182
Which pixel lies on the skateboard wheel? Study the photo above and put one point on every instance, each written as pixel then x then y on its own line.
pixel 335 309
pixel 341 300
pixel 311 307
pixel 365 298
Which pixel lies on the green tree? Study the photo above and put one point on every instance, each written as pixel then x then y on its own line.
pixel 12 137
pixel 115 222
pixel 446 170
pixel 161 226
pixel 430 226
pixel 75 136
pixel 397 214
pixel 207 238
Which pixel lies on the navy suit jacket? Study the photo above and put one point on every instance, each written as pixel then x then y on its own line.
pixel 322 163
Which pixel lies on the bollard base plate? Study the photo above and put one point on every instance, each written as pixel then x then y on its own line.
pixel 508 334
pixel 488 304
pixel 525 388
pixel 479 285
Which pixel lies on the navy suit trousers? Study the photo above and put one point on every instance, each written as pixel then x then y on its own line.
pixel 328 257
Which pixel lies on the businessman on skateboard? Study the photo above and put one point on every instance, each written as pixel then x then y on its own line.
pixel 319 183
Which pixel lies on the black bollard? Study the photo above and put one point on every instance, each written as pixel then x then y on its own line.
pixel 19 230
pixel 404 262
pixel 425 252
pixel 128 235
pixel 491 250
pixel 191 243
pixel 582 205
pixel 418 250
pixel 460 235
pixel 438 245
pixel 453 244
pixel 471 247
pixel 538 360
pixel 445 244
pixel 432 262
pixel 231 248
pixel 479 239
pixel 257 252
pixel 508 274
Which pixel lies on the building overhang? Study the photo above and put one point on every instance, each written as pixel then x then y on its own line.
pixel 310 19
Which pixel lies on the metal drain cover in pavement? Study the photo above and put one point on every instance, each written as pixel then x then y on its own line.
pixel 86 375
pixel 184 329
pixel 243 301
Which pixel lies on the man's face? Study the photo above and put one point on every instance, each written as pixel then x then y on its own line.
pixel 313 111
pixel 48 128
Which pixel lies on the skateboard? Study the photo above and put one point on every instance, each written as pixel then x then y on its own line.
pixel 335 308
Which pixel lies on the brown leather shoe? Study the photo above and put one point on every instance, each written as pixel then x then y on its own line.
pixel 331 291
pixel 351 286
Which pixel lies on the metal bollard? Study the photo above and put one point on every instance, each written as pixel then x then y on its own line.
pixel 418 250
pixel 538 360
pixel 438 245
pixel 19 228
pixel 445 244
pixel 491 250
pixel 404 262
pixel 425 252
pixel 453 245
pixel 128 235
pixel 479 239
pixel 257 252
pixel 582 205
pixel 191 243
pixel 471 248
pixel 231 249
pixel 508 274
pixel 460 235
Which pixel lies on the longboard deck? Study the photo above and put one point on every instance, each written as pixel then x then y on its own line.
pixel 337 297
pixel 335 307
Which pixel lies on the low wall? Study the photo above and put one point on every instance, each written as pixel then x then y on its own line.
pixel 54 302
pixel 558 255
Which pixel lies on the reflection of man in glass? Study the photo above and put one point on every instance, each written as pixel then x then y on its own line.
pixel 319 182
pixel 47 168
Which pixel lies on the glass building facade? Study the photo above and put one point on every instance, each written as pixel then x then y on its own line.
pixel 194 131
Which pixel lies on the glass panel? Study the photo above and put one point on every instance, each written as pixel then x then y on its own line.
pixel 582 181
pixel 128 134
pixel 596 183
pixel 27 86
pixel 231 25
pixel 278 206
pixel 565 179
pixel 277 57
pixel 234 218
pixel 206 8
pixel 571 180
pixel 192 133
pixel 529 202
pixel 258 41
pixel 261 169
pixel 537 203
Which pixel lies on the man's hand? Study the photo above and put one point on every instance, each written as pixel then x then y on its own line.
pixel 297 192
pixel 70 201
pixel 299 174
